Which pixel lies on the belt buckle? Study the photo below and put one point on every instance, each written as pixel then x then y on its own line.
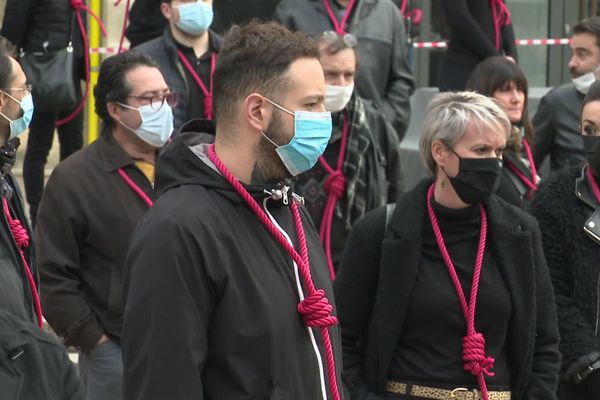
pixel 464 394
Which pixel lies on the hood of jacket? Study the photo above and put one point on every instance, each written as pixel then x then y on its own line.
pixel 185 161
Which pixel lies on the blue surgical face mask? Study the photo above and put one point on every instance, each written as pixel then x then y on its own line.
pixel 195 18
pixel 19 125
pixel 312 131
pixel 157 125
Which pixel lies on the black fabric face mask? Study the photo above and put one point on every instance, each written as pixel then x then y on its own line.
pixel 591 147
pixel 477 178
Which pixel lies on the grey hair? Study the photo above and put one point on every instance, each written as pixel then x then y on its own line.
pixel 450 114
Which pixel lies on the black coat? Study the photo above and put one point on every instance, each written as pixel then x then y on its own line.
pixel 211 299
pixel 556 127
pixel 472 40
pixel 15 292
pixel 34 365
pixel 562 206
pixel 374 284
pixel 83 228
pixel 511 189
pixel 163 50
pixel 35 25
pixel 384 76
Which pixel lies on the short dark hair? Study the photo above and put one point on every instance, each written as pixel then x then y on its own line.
pixel 7 75
pixel 589 25
pixel 491 75
pixel 112 85
pixel 593 94
pixel 254 58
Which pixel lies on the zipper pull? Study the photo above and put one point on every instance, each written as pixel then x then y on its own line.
pixel 299 199
pixel 285 190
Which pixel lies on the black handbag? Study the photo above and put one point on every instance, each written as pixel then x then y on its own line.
pixel 53 76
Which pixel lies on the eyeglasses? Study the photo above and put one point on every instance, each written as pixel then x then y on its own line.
pixel 27 88
pixel 157 101
pixel 332 37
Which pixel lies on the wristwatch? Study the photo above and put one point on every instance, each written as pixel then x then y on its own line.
pixel 580 376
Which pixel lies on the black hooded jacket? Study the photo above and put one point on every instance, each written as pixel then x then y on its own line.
pixel 211 297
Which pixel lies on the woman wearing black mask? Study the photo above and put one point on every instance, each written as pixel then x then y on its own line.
pixel 567 207
pixel 503 79
pixel 448 296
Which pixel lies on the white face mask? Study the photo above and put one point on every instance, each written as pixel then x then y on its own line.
pixel 582 83
pixel 157 125
pixel 338 97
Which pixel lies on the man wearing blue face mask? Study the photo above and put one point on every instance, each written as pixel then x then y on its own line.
pixel 227 290
pixel 360 169
pixel 187 54
pixel 92 202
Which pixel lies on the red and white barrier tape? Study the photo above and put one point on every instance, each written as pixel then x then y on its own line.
pixel 418 45
pixel 519 42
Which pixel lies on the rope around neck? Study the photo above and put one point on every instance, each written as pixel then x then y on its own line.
pixel 315 308
pixel 135 188
pixel 335 186
pixel 474 359
pixel 21 237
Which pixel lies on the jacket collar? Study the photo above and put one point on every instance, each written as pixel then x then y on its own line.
pixel 214 41
pixel 583 190
pixel 112 155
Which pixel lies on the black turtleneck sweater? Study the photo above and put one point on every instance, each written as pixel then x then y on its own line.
pixel 429 351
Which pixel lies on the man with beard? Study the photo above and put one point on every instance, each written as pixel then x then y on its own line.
pixel 186 54
pixel 227 290
pixel 556 123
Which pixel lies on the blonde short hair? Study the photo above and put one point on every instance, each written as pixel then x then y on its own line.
pixel 450 114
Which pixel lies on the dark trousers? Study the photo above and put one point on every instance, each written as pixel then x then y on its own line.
pixel 39 143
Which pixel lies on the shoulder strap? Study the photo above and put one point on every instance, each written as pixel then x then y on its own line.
pixel 389 211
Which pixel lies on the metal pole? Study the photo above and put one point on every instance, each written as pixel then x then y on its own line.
pixel 95 39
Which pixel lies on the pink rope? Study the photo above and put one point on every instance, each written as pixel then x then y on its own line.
pixel 474 359
pixel 135 188
pixel 208 92
pixel 530 183
pixel 125 21
pixel 315 308
pixel 335 186
pixel 77 6
pixel 499 18
pixel 593 184
pixel 339 26
pixel 21 237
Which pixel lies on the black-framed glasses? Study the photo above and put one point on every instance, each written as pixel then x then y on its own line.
pixel 332 37
pixel 158 100
pixel 26 88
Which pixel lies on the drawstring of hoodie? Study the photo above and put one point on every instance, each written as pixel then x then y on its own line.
pixel 474 359
pixel 500 17
pixel 335 186
pixel 315 308
pixel 77 6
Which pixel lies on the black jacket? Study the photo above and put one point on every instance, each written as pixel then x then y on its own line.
pixel 211 299
pixel 34 365
pixel 556 127
pixel 38 25
pixel 511 189
pixel 384 76
pixel 375 280
pixel 15 292
pixel 562 206
pixel 163 50
pixel 472 40
pixel 84 223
